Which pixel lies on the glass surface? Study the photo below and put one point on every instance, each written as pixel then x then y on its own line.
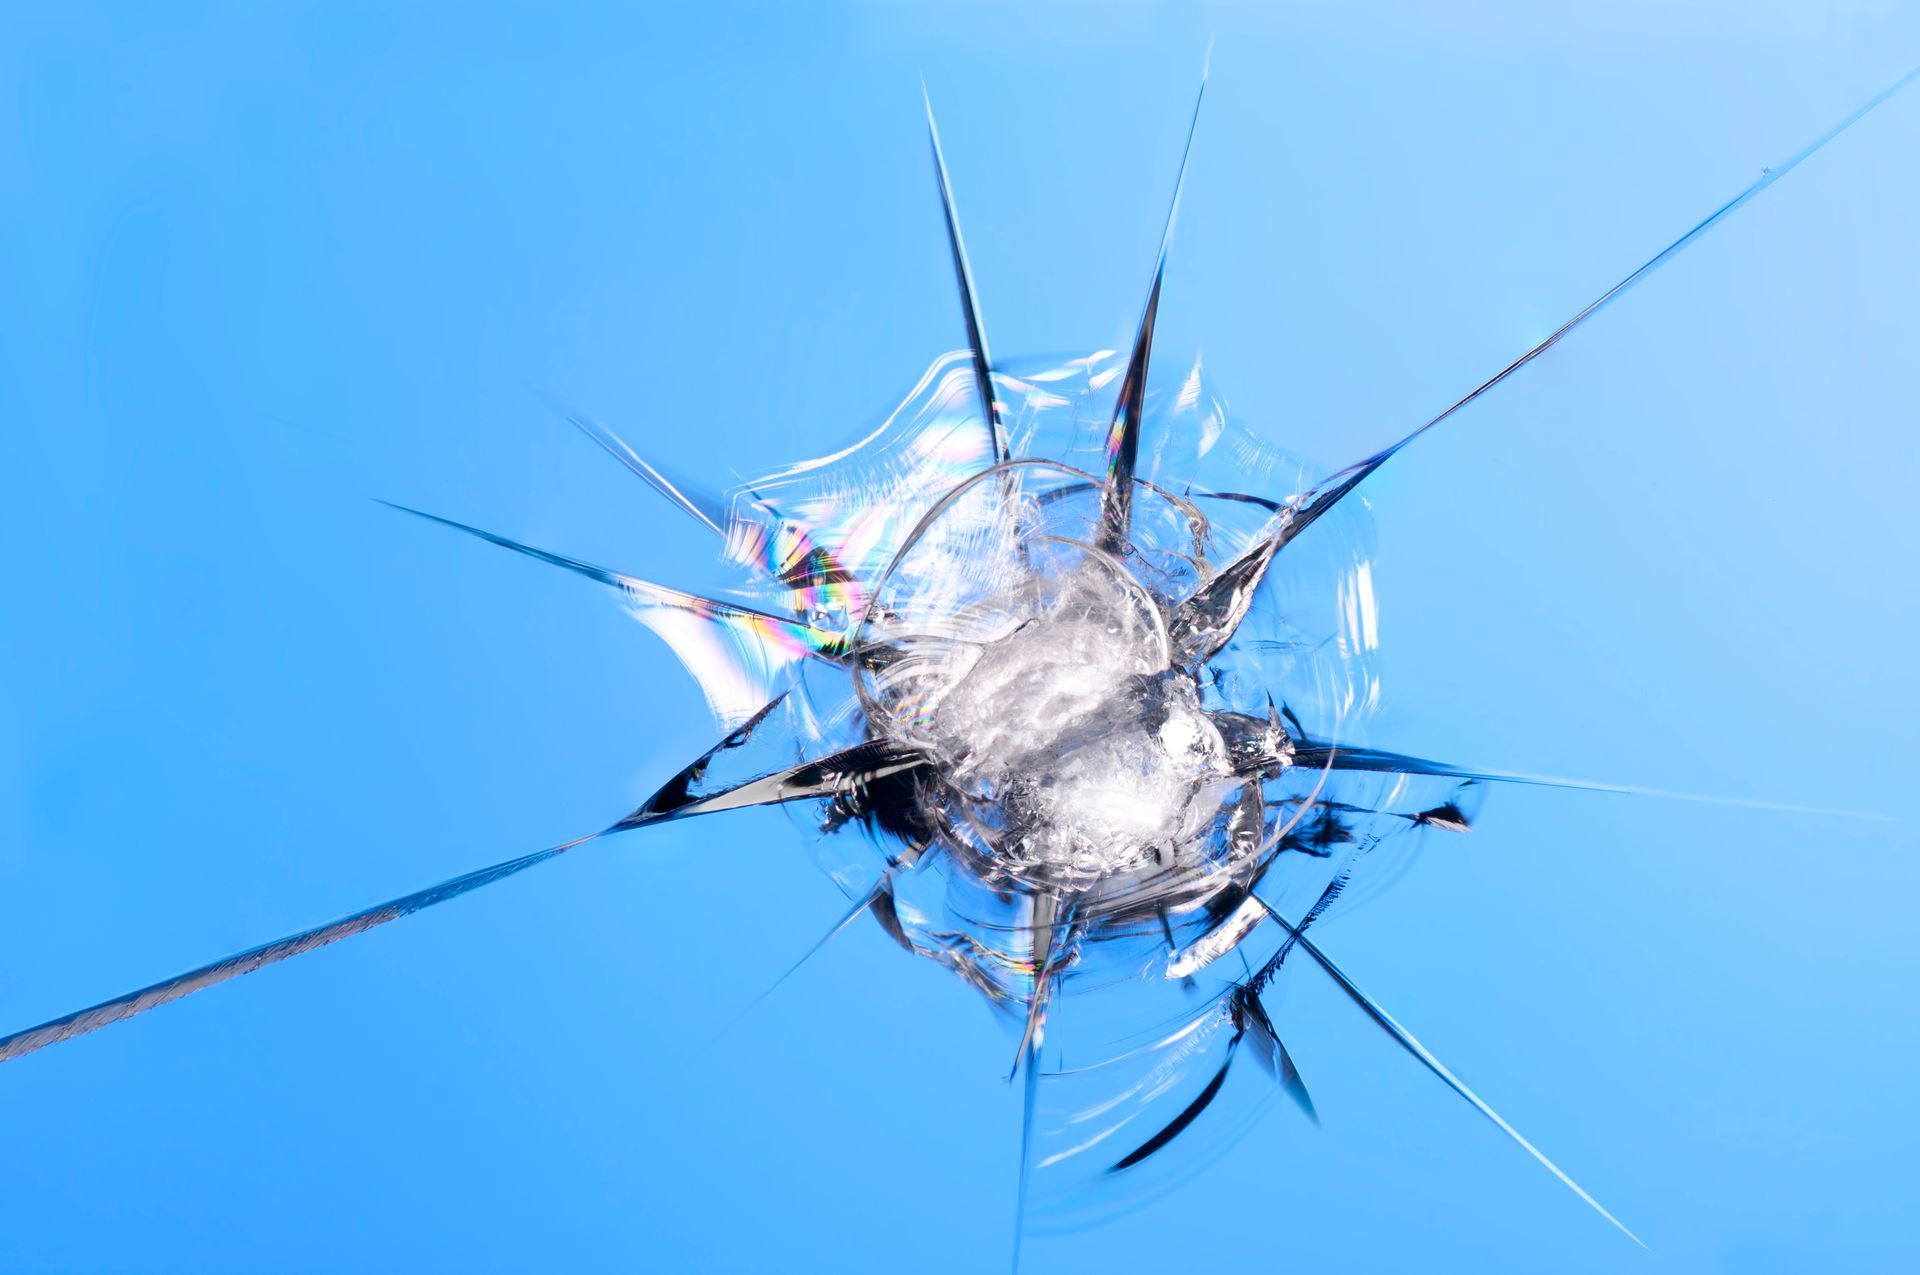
pixel 266 262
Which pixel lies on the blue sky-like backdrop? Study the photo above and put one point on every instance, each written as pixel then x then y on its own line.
pixel 261 262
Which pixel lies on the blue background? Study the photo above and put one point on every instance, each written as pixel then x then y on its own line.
pixel 261 262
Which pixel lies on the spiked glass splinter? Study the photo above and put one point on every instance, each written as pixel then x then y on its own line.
pixel 1059 647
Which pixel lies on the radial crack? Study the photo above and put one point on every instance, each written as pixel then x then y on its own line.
pixel 1768 176
pixel 1123 435
pixel 969 306
pixel 92 1019
pixel 791 633
pixel 1343 757
pixel 698 505
pixel 1387 1023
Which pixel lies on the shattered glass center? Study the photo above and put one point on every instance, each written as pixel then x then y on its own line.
pixel 1066 745
pixel 1078 742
